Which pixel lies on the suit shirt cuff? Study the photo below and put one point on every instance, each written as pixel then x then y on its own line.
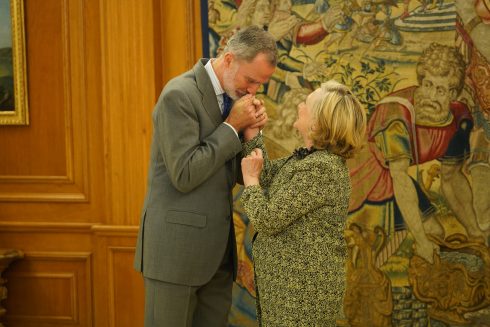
pixel 236 133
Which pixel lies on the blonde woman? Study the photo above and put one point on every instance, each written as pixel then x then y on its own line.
pixel 298 206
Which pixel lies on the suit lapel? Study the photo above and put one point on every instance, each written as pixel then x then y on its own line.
pixel 210 103
pixel 205 86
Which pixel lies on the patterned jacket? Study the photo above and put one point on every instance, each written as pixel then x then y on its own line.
pixel 299 213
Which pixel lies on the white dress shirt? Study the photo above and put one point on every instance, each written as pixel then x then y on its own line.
pixel 218 90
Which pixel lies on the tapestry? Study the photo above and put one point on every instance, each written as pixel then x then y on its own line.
pixel 419 215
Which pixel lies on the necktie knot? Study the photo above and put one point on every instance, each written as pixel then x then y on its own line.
pixel 227 104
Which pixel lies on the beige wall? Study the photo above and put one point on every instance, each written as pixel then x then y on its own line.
pixel 73 181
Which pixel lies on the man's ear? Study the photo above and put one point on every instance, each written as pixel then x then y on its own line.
pixel 228 58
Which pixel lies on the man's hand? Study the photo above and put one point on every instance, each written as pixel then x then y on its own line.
pixel 243 114
pixel 247 113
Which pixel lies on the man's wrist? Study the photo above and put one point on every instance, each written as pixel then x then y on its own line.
pixel 233 128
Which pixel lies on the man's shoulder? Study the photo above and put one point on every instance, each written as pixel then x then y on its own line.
pixel 189 80
pixel 186 79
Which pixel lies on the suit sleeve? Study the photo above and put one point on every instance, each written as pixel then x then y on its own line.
pixel 190 160
pixel 309 189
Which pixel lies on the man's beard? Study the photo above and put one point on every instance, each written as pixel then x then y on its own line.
pixel 228 81
pixel 430 111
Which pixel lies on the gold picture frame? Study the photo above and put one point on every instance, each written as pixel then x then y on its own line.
pixel 13 72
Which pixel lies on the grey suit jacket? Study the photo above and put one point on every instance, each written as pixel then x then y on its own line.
pixel 187 215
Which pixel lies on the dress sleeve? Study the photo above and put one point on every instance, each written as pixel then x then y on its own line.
pixel 309 189
pixel 271 167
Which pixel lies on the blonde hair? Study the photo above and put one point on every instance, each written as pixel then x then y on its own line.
pixel 338 120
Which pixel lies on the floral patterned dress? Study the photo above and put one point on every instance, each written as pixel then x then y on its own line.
pixel 299 213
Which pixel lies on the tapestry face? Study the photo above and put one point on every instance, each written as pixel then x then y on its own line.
pixel 419 214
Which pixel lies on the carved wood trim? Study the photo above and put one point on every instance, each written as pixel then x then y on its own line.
pixel 108 230
pixel 44 227
pixel 85 228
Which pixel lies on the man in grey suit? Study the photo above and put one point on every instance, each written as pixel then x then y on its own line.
pixel 186 245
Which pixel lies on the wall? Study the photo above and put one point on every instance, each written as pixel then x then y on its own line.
pixel 73 181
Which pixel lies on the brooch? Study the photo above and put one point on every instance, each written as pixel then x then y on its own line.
pixel 301 153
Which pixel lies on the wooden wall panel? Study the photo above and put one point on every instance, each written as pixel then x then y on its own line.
pixel 127 296
pixel 128 72
pixel 51 166
pixel 181 36
pixel 119 300
pixel 21 145
pixel 134 70
pixel 58 285
pixel 72 183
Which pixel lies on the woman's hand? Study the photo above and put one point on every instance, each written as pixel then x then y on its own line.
pixel 261 119
pixel 252 167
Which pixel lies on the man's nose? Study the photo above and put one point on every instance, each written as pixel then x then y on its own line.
pixel 253 88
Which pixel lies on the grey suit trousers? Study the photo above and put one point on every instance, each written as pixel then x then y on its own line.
pixel 174 305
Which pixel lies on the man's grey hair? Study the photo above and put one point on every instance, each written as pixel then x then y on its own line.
pixel 248 42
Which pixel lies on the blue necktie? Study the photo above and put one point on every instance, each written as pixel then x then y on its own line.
pixel 227 104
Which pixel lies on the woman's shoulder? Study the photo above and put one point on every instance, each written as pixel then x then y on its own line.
pixel 320 164
pixel 323 158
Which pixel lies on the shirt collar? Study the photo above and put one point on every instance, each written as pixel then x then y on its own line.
pixel 218 90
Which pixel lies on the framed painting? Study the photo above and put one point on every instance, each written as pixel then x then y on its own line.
pixel 13 74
